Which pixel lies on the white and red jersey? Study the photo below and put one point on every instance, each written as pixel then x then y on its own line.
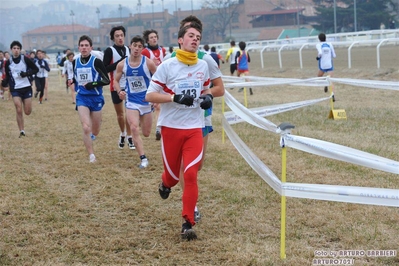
pixel 157 54
pixel 184 79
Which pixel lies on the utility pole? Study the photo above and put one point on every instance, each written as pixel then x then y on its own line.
pixel 231 17
pixel 152 22
pixel 297 18
pixel 72 14
pixel 120 12
pixel 335 17
pixel 177 12
pixel 99 25
pixel 139 8
pixel 354 10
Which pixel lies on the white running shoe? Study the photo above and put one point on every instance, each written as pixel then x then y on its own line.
pixel 144 163
pixel 92 158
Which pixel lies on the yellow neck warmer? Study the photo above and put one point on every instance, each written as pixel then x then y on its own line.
pixel 187 58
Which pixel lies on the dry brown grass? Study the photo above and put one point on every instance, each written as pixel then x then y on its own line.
pixel 57 209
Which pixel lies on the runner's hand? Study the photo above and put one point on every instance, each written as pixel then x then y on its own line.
pixel 183 99
pixel 207 101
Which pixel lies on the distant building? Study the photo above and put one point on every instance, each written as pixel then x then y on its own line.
pixel 56 37
pixel 277 17
pixel 252 20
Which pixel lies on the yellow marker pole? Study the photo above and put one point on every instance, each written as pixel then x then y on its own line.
pixel 245 95
pixel 223 115
pixel 59 75
pixel 331 92
pixel 283 206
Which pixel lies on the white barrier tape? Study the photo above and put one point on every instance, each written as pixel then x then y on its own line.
pixel 318 147
pixel 376 84
pixel 350 194
pixel 247 115
pixel 232 118
pixel 241 82
pixel 361 195
pixel 259 167
pixel 314 82
pixel 241 79
pixel 341 153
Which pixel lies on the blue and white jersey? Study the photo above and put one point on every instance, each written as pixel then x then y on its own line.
pixel 85 73
pixel 137 81
pixel 326 53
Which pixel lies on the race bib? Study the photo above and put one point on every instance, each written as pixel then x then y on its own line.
pixel 189 87
pixel 136 84
pixel 84 75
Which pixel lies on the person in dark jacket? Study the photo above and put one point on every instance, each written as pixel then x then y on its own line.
pixel 18 72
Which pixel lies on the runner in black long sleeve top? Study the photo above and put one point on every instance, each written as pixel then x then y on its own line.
pixel 112 56
pixel 108 57
pixel 17 72
pixel 8 78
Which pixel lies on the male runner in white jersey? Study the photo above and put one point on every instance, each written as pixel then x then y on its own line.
pixel 68 70
pixel 112 56
pixel 18 72
pixel 217 89
pixel 137 69
pixel 182 118
pixel 325 55
pixel 157 54
pixel 41 76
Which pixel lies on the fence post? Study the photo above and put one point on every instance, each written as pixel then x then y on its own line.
pixel 283 129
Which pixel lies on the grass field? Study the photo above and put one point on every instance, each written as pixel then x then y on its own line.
pixel 57 209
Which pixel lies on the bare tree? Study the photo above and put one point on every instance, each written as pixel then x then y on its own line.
pixel 219 21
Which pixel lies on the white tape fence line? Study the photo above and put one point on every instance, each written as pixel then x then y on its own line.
pixel 352 194
pixel 253 81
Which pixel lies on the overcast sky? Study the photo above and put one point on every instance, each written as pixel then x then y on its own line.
pixel 25 3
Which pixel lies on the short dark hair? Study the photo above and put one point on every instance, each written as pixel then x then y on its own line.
pixel 38 51
pixel 137 38
pixel 213 49
pixel 112 33
pixel 322 37
pixel 85 38
pixel 16 43
pixel 191 18
pixel 206 47
pixel 69 54
pixel 183 30
pixel 233 43
pixel 242 45
pixel 146 33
